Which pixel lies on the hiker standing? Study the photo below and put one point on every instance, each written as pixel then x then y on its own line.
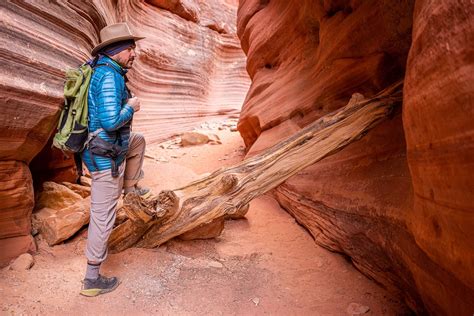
pixel 115 156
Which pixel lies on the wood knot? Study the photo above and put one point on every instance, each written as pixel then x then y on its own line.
pixel 225 184
pixel 167 202
pixel 138 209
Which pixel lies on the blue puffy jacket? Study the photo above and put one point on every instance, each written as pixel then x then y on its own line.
pixel 108 109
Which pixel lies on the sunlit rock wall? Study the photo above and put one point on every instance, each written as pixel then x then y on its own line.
pixel 191 67
pixel 370 201
pixel 188 71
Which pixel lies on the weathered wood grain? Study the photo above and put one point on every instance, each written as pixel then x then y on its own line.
pixel 228 190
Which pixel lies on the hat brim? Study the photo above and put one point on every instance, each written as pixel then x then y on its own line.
pixel 114 40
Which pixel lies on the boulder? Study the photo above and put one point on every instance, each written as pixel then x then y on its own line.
pixel 58 225
pixel 56 196
pixel 23 262
pixel 199 138
pixel 83 190
pixel 12 247
pixel 193 139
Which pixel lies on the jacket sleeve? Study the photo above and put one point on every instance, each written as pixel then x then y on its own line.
pixel 112 115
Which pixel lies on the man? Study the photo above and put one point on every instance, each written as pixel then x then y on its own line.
pixel 111 108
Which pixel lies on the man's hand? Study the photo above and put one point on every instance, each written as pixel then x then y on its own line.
pixel 134 103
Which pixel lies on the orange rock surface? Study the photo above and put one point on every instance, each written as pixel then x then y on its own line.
pixel 399 202
pixel 438 116
pixel 16 204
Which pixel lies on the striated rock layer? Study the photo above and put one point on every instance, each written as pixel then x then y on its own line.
pixel 438 116
pixel 188 70
pixel 39 41
pixel 399 202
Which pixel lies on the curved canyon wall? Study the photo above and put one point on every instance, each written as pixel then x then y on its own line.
pixel 399 202
pixel 190 68
pixel 438 116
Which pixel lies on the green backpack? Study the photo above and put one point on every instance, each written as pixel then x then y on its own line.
pixel 72 130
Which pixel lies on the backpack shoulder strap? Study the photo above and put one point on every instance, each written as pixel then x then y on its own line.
pixel 104 65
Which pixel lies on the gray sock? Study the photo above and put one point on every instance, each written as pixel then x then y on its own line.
pixel 92 271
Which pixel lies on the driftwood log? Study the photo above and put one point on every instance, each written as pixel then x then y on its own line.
pixel 229 190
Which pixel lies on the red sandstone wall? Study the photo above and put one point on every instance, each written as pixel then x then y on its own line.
pixel 188 71
pixel 39 40
pixel 402 217
pixel 191 68
pixel 438 118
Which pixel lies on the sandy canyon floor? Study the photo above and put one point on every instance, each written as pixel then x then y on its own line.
pixel 265 264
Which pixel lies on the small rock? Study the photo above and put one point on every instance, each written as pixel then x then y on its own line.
pixel 355 309
pixel 256 301
pixel 23 262
pixel 162 159
pixel 34 231
pixel 214 139
pixel 86 181
pixel 205 264
pixel 215 264
pixel 231 124
pixel 193 138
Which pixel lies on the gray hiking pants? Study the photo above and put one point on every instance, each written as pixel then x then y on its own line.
pixel 105 193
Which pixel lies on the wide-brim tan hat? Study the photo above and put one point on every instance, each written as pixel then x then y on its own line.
pixel 114 33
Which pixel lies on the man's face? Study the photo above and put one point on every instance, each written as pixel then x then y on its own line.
pixel 125 58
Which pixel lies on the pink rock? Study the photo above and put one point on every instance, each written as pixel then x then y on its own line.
pixel 400 208
pixel 23 262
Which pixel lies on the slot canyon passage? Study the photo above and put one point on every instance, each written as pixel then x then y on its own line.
pixel 381 227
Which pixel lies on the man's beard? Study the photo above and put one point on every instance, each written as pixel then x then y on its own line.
pixel 127 64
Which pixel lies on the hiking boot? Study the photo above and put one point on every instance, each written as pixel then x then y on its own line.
pixel 101 285
pixel 144 193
